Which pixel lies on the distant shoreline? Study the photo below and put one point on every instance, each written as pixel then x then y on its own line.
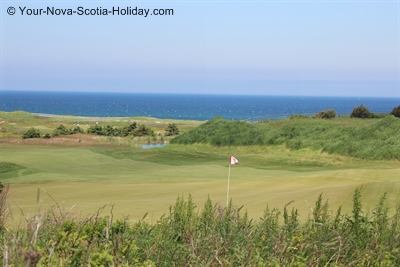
pixel 184 107
pixel 99 118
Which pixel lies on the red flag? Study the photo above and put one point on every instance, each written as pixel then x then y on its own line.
pixel 233 160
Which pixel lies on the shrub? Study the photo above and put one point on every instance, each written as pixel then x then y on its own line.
pixel 142 130
pixel 95 129
pixel 47 136
pixel 360 112
pixel 326 114
pixel 31 133
pixel 130 129
pixel 299 116
pixel 77 129
pixel 172 129
pixel 396 111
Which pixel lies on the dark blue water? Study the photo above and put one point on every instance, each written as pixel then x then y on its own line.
pixel 178 106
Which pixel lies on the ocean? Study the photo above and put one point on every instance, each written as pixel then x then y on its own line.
pixel 183 106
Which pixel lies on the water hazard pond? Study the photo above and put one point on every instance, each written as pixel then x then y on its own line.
pixel 153 146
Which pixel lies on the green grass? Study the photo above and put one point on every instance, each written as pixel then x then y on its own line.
pixel 291 170
pixel 18 122
pixel 140 181
pixel 365 138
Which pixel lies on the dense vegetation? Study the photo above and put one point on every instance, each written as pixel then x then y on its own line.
pixel 213 236
pixel 31 133
pixel 379 140
pixel 326 114
pixel 133 130
pixel 360 112
pixel 396 111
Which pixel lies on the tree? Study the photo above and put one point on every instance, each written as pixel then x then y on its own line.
pixel 396 111
pixel 95 129
pixel 109 131
pixel 361 112
pixel 142 130
pixel 31 133
pixel 172 129
pixel 129 130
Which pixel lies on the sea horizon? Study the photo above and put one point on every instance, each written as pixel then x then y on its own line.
pixel 199 94
pixel 183 106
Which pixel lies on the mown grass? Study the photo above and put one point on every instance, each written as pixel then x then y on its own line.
pixel 140 181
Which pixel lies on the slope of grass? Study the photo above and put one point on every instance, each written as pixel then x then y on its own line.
pixel 378 140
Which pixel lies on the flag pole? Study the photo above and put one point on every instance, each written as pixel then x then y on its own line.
pixel 227 191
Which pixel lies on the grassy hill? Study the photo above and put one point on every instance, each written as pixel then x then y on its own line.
pixel 367 139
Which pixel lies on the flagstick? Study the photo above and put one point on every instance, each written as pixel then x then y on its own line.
pixel 227 191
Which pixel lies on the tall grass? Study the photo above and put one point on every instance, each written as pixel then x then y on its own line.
pixel 214 235
pixel 379 140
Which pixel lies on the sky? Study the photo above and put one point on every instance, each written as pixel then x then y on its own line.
pixel 310 48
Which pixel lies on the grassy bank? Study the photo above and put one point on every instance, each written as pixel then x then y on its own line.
pixel 361 138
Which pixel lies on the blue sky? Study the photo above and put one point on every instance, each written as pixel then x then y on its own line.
pixel 324 48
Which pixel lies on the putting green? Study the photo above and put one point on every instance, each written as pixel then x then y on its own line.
pixel 138 181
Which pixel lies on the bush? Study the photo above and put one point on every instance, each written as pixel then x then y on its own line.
pixel 47 136
pixel 299 116
pixel 326 114
pixel 396 111
pixel 95 129
pixel 142 130
pixel 31 133
pixel 172 129
pixel 77 129
pixel 360 112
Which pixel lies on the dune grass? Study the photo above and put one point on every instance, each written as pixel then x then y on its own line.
pixel 366 139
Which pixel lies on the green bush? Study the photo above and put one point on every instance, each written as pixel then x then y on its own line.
pixel 360 112
pixel 326 114
pixel 62 130
pixel 396 111
pixel 172 129
pixel 47 136
pixel 130 130
pixel 31 133
pixel 299 116
pixel 142 130
pixel 96 129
